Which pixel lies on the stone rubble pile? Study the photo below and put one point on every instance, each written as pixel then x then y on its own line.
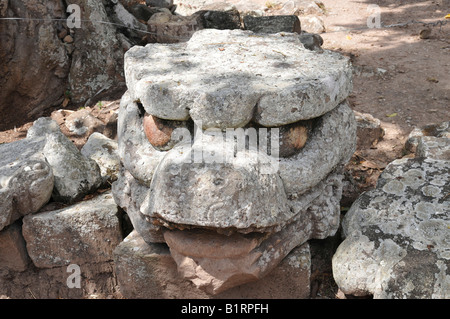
pixel 44 222
pixel 229 222
pixel 309 11
pixel 174 21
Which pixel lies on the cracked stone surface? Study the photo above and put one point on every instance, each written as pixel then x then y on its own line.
pixel 85 232
pixel 397 238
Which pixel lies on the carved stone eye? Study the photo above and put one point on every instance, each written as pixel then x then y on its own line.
pixel 159 131
pixel 293 137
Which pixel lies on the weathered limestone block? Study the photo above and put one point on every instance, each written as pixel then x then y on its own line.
pixel 137 262
pixel 440 130
pixel 434 147
pixel 26 179
pixel 254 7
pixel 74 174
pixel 104 151
pixel 168 28
pixel 188 8
pixel 136 153
pixel 272 24
pixel 264 78
pixel 13 253
pixel 397 239
pixel 222 20
pixel 86 232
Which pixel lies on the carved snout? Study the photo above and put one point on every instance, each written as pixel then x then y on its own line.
pixel 210 185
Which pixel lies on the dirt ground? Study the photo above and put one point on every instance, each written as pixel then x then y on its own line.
pixel 399 78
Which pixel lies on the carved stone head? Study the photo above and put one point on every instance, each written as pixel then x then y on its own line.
pixel 232 146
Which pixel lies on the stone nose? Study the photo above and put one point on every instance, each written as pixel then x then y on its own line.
pixel 222 191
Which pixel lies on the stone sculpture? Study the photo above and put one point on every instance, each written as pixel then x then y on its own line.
pixel 232 147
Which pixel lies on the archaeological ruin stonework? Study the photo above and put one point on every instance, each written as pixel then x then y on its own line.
pixel 396 236
pixel 232 147
pixel 222 173
pixel 49 218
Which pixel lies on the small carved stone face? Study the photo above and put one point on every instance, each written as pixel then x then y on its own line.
pixel 228 158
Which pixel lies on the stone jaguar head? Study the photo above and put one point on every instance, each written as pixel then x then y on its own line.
pixel 232 147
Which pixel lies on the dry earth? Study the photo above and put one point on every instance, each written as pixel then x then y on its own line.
pixel 400 78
